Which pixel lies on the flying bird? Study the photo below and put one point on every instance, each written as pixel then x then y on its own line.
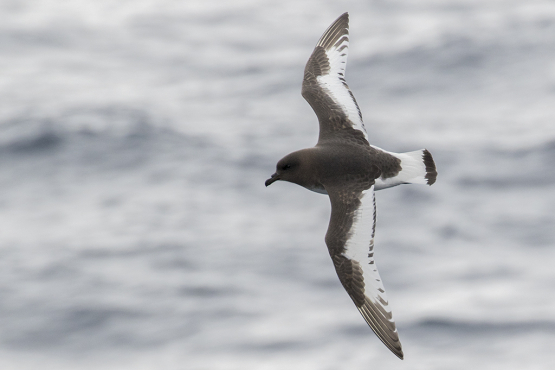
pixel 348 169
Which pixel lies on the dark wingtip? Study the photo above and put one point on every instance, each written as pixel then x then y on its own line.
pixel 338 29
pixel 431 173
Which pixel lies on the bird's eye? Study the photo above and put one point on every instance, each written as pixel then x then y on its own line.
pixel 286 167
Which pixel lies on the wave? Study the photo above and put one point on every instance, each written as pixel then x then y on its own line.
pixel 118 136
pixel 478 327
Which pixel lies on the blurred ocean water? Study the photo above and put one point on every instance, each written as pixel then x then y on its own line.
pixel 135 229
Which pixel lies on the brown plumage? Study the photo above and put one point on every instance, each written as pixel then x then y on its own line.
pixel 348 169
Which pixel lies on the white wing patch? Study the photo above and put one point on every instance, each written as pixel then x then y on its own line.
pixel 360 248
pixel 334 82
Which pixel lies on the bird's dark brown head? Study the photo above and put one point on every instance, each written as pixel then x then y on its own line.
pixel 289 168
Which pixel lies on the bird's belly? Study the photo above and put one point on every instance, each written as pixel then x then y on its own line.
pixel 319 188
pixel 386 183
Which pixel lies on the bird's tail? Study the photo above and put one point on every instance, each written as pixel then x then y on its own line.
pixel 418 167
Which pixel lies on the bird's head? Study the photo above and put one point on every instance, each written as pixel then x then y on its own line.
pixel 289 168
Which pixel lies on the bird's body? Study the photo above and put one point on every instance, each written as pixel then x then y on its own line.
pixel 346 167
pixel 334 160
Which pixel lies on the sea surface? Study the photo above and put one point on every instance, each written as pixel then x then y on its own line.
pixel 136 231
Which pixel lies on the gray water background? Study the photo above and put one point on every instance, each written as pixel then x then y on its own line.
pixel 135 229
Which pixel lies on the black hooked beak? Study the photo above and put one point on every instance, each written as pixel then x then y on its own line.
pixel 272 179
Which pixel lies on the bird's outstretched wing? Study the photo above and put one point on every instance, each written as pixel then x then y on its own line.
pixel 350 240
pixel 324 86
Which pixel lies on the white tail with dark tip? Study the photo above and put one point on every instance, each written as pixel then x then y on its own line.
pixel 417 167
